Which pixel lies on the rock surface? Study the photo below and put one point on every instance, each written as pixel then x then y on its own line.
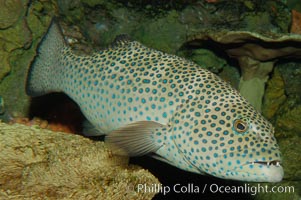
pixel 24 24
pixel 40 164
pixel 10 12
pixel 164 26
pixel 282 107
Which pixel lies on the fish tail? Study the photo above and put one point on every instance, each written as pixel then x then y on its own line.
pixel 45 68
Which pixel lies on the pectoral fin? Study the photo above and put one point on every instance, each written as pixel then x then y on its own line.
pixel 135 139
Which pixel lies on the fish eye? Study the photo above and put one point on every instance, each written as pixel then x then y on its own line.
pixel 240 126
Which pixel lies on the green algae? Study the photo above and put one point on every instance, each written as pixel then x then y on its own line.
pixel 12 88
pixel 294 4
pixel 282 106
pixel 93 3
pixel 258 21
pixel 5 68
pixel 14 37
pixel 207 59
pixel 274 95
pixel 19 44
pixel 10 12
pixel 289 119
pixel 170 37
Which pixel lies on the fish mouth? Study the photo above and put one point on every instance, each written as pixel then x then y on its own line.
pixel 276 163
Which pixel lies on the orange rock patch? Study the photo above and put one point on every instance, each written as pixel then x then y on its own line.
pixel 296 22
pixel 43 124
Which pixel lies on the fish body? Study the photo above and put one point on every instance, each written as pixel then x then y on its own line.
pixel 146 101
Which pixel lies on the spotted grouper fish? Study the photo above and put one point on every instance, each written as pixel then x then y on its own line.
pixel 149 102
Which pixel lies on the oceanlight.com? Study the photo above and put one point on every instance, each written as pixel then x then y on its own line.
pixel 213 188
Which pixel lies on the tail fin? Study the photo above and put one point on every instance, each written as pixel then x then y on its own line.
pixel 42 74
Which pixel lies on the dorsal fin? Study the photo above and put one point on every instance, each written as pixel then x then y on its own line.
pixel 121 40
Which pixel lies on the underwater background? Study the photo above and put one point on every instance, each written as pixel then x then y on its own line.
pixel 188 28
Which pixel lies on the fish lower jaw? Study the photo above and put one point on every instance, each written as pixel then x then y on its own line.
pixel 273 162
pixel 258 171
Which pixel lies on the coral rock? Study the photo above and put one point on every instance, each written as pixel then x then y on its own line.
pixel 41 164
